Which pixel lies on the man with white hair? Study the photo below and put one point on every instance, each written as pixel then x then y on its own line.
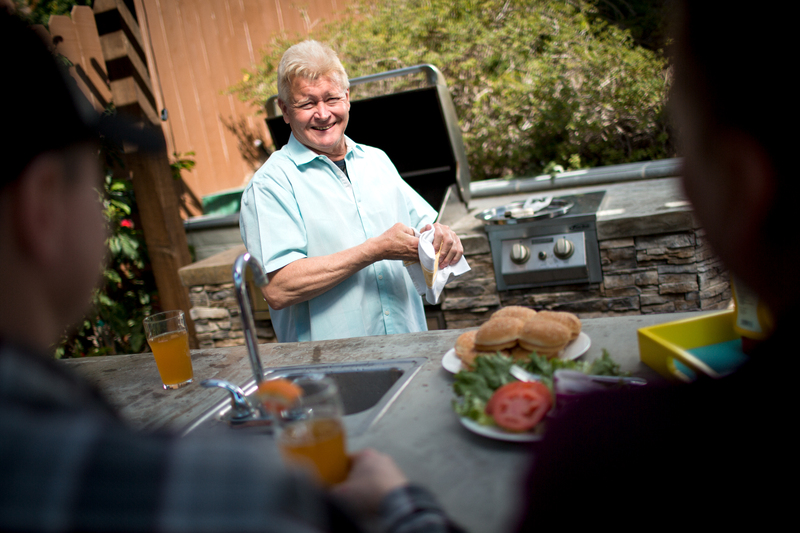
pixel 330 219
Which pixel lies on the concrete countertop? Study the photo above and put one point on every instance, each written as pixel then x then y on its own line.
pixel 476 479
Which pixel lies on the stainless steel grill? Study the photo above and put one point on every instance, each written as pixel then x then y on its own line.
pixel 553 245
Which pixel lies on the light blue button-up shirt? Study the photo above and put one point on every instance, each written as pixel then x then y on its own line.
pixel 299 204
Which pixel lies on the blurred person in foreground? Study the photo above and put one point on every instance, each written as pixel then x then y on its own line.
pixel 330 220
pixel 67 461
pixel 711 453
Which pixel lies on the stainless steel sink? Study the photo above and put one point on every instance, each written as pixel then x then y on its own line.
pixel 367 388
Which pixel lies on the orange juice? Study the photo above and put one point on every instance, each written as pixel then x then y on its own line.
pixel 171 351
pixel 320 441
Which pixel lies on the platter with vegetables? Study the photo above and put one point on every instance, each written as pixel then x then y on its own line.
pixel 491 402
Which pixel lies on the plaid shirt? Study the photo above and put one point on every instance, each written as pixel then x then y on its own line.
pixel 69 463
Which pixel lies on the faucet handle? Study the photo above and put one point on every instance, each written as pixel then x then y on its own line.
pixel 241 408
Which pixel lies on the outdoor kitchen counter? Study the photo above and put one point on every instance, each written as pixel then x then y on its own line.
pixel 476 479
pixel 629 209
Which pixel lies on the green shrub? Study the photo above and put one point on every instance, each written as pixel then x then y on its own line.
pixel 535 84
pixel 128 294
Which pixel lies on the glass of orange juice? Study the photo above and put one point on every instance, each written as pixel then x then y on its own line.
pixel 311 432
pixel 167 337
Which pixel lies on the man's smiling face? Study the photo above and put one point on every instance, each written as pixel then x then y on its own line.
pixel 318 115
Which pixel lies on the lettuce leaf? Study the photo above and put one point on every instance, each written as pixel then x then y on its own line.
pixel 473 388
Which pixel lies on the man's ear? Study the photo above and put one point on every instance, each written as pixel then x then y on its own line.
pixel 284 110
pixel 39 209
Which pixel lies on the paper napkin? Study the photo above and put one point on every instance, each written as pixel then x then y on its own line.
pixel 428 279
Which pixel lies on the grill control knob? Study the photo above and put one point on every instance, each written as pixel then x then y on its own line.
pixel 563 248
pixel 520 254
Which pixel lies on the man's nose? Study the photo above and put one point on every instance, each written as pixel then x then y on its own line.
pixel 322 111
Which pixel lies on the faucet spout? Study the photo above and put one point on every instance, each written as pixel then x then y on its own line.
pixel 246 311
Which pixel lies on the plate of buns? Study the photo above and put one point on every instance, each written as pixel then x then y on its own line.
pixel 518 331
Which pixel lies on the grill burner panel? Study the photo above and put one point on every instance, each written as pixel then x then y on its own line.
pixel 557 249
pixel 544 266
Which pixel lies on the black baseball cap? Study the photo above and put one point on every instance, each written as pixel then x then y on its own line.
pixel 43 109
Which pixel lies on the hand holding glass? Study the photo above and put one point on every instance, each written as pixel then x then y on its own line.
pixel 311 431
pixel 169 340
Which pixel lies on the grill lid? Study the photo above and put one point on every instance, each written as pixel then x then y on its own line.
pixel 534 208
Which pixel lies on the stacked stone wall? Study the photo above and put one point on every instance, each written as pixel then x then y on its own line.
pixel 216 317
pixel 655 274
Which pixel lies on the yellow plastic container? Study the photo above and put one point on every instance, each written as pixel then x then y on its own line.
pixel 662 345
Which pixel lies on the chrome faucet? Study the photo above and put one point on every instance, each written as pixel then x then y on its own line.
pixel 246 311
pixel 243 411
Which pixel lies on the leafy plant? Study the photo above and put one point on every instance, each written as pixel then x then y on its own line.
pixel 39 11
pixel 536 83
pixel 128 293
pixel 181 162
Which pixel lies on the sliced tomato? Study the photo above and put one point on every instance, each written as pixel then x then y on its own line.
pixel 519 406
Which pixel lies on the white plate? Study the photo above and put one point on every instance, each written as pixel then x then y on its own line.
pixel 576 348
pixel 496 433
pixel 451 362
pixel 573 350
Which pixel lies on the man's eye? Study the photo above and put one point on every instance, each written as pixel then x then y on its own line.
pixel 334 100
pixel 307 105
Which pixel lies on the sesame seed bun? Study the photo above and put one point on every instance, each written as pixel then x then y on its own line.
pixel 546 337
pixel 498 334
pixel 518 352
pixel 514 311
pixel 572 322
pixel 465 348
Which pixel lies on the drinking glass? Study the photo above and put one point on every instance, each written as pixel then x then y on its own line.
pixel 311 432
pixel 169 340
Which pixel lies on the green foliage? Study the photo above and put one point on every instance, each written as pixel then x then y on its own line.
pixel 536 83
pixel 39 11
pixel 128 294
pixel 646 20
pixel 180 163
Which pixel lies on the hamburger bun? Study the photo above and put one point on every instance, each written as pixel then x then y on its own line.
pixel 518 352
pixel 465 348
pixel 545 337
pixel 514 311
pixel 498 334
pixel 572 322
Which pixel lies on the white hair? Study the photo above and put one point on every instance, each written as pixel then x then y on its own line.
pixel 310 60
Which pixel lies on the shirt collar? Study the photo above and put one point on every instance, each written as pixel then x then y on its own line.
pixel 302 155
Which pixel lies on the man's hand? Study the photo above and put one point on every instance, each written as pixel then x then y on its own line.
pixel 398 242
pixel 446 241
pixel 373 475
